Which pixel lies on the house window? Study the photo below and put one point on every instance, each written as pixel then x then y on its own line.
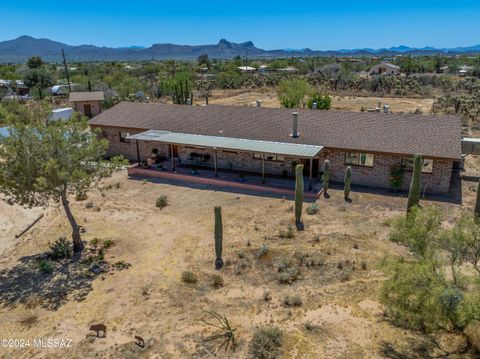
pixel 123 137
pixel 269 157
pixel 427 165
pixel 359 159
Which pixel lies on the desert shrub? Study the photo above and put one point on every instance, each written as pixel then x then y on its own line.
pixel 266 343
pixel 81 196
pixel 289 233
pixel 61 249
pixel 267 297
pixel 107 243
pixel 418 230
pixel 292 301
pixel 45 266
pixel 312 209
pixel 309 326
pixel 189 277
pixel 217 281
pixel 263 250
pixel 162 201
pixel 288 275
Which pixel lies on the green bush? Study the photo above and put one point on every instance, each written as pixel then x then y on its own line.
pixel 419 230
pixel 189 277
pixel 263 250
pixel 289 233
pixel 217 281
pixel 324 102
pixel 412 295
pixel 162 201
pixel 312 209
pixel 61 249
pixel 107 243
pixel 266 343
pixel 45 266
pixel 292 301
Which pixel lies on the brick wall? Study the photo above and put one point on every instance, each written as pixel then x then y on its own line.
pixel 94 105
pixel 377 176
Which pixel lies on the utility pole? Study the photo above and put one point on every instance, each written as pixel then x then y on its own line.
pixel 66 71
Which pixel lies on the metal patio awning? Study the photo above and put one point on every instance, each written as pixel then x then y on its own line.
pixel 228 143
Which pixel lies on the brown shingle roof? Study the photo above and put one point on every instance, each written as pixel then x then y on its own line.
pixel 431 136
pixel 86 96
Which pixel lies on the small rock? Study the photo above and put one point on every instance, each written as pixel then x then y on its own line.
pixel 96 269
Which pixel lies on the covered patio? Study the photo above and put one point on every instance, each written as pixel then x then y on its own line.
pixel 256 152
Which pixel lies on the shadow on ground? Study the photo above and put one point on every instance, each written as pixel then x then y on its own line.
pixel 26 284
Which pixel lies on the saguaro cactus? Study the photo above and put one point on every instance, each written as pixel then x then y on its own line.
pixel 298 196
pixel 348 182
pixel 326 176
pixel 218 238
pixel 414 192
pixel 477 204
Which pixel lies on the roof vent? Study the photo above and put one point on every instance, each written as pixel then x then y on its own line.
pixel 189 101
pixel 314 106
pixel 294 133
pixel 378 108
pixel 386 108
pixel 259 103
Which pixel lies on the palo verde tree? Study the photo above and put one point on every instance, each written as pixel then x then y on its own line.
pixel 42 162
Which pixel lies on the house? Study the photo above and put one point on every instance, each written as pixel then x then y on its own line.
pixel 385 68
pixel 271 140
pixel 87 103
pixel 464 70
pixel 289 69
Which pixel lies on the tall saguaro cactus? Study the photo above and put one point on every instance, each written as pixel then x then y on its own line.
pixel 298 196
pixel 326 176
pixel 348 182
pixel 477 204
pixel 414 192
pixel 218 238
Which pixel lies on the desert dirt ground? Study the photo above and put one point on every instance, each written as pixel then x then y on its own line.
pixel 347 103
pixel 341 256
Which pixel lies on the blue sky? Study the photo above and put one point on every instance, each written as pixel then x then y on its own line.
pixel 269 24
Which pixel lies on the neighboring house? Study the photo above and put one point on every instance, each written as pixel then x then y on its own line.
pixel 260 140
pixel 464 70
pixel 87 103
pixel 385 68
pixel 246 68
pixel 289 69
pixel 18 88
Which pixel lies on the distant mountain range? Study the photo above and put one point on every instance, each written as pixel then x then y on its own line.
pixel 22 48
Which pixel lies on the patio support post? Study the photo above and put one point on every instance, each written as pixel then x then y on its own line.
pixel 173 159
pixel 319 171
pixel 263 168
pixel 138 153
pixel 215 161
pixel 310 175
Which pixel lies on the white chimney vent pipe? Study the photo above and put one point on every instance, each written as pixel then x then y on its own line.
pixel 259 103
pixel 314 105
pixel 294 133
